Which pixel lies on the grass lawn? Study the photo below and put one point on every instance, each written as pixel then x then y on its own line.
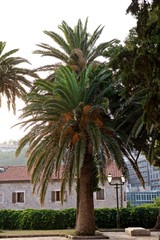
pixel 37 232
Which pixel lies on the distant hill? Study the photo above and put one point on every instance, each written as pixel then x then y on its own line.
pixel 9 158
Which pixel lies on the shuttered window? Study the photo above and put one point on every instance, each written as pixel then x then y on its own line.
pixel 18 197
pixel 53 196
pixel 56 196
pixel 14 197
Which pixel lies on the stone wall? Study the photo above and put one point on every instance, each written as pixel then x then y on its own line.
pixel 32 200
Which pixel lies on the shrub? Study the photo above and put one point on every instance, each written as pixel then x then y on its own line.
pixel 9 219
pixel 46 219
pixel 145 216
pixel 105 217
pixel 65 219
pixel 126 217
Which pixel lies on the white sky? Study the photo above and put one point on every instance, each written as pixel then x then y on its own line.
pixel 22 23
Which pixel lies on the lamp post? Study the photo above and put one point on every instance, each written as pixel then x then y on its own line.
pixel 117 187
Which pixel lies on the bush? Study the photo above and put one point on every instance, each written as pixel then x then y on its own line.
pixel 9 219
pixel 105 217
pixel 65 219
pixel 129 217
pixel 145 216
pixel 126 217
pixel 38 219
pixel 46 219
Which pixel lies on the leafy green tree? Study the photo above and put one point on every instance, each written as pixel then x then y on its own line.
pixel 137 66
pixel 146 62
pixel 13 81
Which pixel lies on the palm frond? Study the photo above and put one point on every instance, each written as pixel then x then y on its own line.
pixel 60 41
pixel 115 150
pixel 22 143
pixel 95 36
pixel 5 57
pixel 2 46
pixel 52 52
pixel 79 153
pixel 100 159
pixel 69 34
pixel 137 128
pixel 60 152
pixel 98 51
pixel 95 136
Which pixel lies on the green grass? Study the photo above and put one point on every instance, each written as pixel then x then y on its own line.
pixel 37 232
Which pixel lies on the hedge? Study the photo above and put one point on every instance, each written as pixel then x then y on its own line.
pixel 105 218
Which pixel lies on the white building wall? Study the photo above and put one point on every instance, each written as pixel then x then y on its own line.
pixel 33 201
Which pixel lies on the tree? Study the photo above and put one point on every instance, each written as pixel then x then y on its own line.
pixel 147 58
pixel 137 65
pixel 70 123
pixel 77 48
pixel 13 81
pixel 71 120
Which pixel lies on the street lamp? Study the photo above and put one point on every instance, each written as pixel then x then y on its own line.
pixel 116 187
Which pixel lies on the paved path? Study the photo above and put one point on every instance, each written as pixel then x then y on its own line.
pixel 111 235
pixel 35 238
pixel 124 236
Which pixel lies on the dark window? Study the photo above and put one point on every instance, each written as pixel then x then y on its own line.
pixel 100 194
pixel 56 196
pixel 18 197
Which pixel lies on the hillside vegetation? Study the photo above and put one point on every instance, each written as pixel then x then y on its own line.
pixel 9 158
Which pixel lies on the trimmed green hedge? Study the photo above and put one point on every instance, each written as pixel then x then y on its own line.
pixel 129 217
pixel 31 219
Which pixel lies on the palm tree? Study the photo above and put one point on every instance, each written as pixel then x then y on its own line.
pixel 70 125
pixel 76 49
pixel 13 81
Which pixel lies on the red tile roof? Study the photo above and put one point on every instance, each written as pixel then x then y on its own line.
pixel 14 173
pixel 19 173
pixel 112 169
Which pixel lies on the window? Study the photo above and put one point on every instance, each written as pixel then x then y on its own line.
pixel 1 198
pixel 56 196
pixel 18 197
pixel 100 194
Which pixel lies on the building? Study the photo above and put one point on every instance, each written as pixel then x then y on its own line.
pixel 16 192
pixel 133 181
pixel 154 178
pixel 139 198
pixel 10 146
pixel 136 194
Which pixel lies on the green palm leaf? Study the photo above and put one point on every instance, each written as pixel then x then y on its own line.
pixel 95 136
pixel 79 155
pixel 69 34
pixel 60 41
pixel 13 78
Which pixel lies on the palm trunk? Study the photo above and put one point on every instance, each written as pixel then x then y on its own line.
pixel 85 224
pixel 77 203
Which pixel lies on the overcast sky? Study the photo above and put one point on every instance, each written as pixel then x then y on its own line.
pixel 22 23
